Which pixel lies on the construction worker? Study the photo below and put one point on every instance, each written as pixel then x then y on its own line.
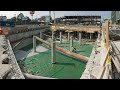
pixel 73 49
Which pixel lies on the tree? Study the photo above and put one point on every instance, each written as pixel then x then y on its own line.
pixel 20 17
pixel 13 19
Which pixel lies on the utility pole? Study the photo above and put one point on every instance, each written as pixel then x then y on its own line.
pixel 21 18
pixel 54 16
pixel 50 15
pixel 15 16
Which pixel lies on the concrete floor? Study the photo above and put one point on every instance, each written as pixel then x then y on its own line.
pixel 21 54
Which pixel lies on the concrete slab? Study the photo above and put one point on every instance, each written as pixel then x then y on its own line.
pixel 4 58
pixel 38 50
pixel 20 54
pixel 4 69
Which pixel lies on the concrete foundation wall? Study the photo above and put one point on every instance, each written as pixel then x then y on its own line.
pixel 115 31
pixel 17 37
pixel 24 43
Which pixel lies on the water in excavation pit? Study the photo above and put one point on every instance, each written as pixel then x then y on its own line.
pixel 66 67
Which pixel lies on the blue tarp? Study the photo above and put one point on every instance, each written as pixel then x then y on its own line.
pixel 7 23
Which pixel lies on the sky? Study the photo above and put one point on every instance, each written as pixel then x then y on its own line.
pixel 103 14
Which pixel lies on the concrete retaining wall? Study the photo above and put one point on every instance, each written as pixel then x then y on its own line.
pixel 116 31
pixel 18 35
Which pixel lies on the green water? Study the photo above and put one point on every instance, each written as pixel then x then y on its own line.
pixel 66 67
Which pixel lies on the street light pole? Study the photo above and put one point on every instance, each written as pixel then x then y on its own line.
pixel 37 15
pixel 50 15
pixel 54 16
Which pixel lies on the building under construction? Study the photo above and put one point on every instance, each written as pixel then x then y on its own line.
pixel 59 51
pixel 83 20
pixel 115 17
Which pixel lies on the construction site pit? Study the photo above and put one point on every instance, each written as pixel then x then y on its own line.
pixel 40 62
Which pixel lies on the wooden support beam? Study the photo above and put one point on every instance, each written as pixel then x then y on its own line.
pixel 78 56
pixel 107 34
pixel 47 35
pixel 105 57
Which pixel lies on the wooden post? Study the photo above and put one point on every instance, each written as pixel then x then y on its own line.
pixel 107 34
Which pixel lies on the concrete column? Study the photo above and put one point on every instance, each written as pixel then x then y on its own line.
pixel 90 36
pixel 34 44
pixel 60 36
pixel 98 35
pixel 68 36
pixel 40 34
pixel 71 43
pixel 53 49
pixel 80 38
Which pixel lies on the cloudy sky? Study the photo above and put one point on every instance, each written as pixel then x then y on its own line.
pixel 104 14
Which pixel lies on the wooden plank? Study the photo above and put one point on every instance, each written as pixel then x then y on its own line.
pixel 116 63
pixel 106 73
pixel 104 58
pixel 101 73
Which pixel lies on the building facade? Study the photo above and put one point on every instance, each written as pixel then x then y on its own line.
pixel 115 17
pixel 3 18
pixel 83 20
pixel 45 19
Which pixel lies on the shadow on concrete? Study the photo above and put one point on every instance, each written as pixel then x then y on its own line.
pixel 59 63
pixel 79 51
